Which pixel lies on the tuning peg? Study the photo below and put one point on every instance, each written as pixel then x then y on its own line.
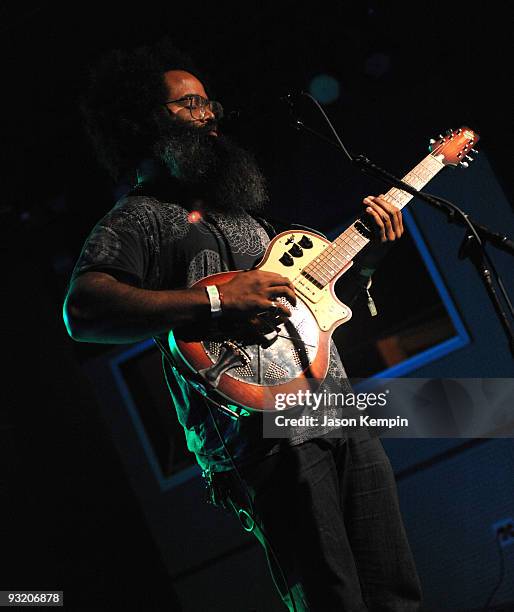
pixel 464 164
pixel 474 151
pixel 469 157
pixel 432 141
pixel 441 136
pixel 449 132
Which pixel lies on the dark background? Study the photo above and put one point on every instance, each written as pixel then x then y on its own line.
pixel 448 66
pixel 70 519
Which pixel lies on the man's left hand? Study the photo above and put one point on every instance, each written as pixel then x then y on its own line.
pixel 386 217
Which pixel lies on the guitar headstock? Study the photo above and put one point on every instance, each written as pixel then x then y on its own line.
pixel 455 147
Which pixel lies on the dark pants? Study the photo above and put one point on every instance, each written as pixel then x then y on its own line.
pixel 329 510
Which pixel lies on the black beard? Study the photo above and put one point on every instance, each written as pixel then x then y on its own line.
pixel 220 171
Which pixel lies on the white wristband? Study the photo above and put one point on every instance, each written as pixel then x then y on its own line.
pixel 214 298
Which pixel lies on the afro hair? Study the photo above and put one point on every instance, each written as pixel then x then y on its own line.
pixel 122 105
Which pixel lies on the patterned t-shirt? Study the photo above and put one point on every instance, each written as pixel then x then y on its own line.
pixel 152 242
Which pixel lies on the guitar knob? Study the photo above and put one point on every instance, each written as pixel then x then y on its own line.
pixel 305 242
pixel 296 251
pixel 286 260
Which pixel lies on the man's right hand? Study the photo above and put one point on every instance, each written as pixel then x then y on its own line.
pixel 253 292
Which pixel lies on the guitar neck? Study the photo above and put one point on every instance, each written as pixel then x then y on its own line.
pixel 418 177
pixel 328 264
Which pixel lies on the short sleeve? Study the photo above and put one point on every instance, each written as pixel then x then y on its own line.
pixel 117 245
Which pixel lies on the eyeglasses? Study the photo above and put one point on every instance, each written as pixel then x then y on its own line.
pixel 198 106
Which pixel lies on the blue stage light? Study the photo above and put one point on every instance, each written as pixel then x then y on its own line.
pixel 324 88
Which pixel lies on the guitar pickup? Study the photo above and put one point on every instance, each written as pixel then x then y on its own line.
pixel 286 260
pixel 296 251
pixel 305 242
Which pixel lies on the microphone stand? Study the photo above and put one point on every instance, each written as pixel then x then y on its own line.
pixel 476 234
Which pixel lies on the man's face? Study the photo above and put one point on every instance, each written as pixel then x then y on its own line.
pixel 218 170
pixel 182 84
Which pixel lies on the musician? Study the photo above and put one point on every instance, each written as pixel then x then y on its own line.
pixel 325 508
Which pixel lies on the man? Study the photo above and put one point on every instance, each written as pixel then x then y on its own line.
pixel 324 508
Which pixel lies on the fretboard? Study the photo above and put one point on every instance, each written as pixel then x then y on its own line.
pixel 327 265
